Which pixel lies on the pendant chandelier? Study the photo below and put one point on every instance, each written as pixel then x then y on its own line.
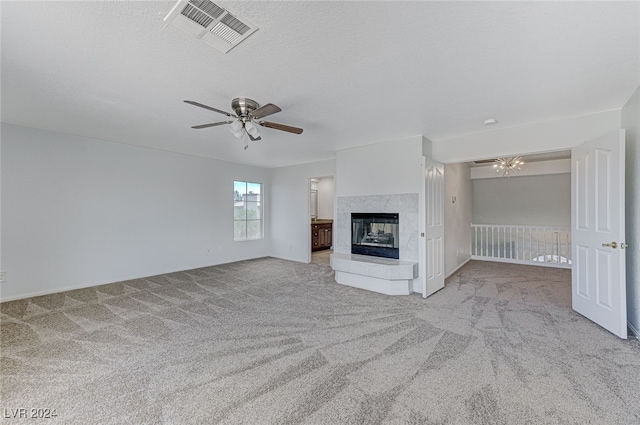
pixel 507 166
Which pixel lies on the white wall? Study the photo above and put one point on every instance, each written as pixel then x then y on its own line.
pixel 325 198
pixel 1 266
pixel 78 212
pixel 457 216
pixel 540 137
pixel 381 169
pixel 555 166
pixel 631 122
pixel 534 200
pixel 387 168
pixel 290 221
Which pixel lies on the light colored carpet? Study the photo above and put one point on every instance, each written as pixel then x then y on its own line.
pixel 275 342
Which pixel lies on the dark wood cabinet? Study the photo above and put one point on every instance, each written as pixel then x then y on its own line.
pixel 321 236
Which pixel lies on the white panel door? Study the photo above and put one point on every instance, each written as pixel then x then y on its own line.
pixel 434 215
pixel 597 223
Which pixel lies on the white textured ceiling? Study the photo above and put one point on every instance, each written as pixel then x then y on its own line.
pixel 349 73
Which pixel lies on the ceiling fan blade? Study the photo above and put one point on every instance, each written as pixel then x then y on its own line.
pixel 264 110
pixel 191 102
pixel 213 124
pixel 254 139
pixel 282 127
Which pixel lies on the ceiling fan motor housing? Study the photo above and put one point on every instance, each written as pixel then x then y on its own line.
pixel 243 107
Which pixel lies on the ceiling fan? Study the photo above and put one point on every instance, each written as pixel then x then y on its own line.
pixel 248 114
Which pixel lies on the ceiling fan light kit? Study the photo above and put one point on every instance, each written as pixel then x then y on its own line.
pixel 248 111
pixel 252 129
pixel 236 129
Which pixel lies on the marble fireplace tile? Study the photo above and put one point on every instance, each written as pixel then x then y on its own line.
pixel 410 202
pixel 407 205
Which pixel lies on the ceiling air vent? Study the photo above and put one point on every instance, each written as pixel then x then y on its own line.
pixel 211 23
pixel 484 161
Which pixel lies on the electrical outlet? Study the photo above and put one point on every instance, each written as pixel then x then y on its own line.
pixel 3 277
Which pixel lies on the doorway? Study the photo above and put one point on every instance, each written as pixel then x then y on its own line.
pixel 321 214
pixel 597 217
pixel 522 215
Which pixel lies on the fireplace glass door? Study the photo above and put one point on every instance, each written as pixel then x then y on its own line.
pixel 375 234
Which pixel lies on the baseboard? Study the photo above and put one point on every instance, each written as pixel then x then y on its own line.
pixel 522 262
pixel 634 330
pixel 99 283
pixel 458 268
pixel 54 291
pixel 281 257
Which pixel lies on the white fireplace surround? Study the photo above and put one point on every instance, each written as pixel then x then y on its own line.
pixel 387 276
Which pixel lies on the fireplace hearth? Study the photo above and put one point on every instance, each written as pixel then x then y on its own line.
pixel 375 234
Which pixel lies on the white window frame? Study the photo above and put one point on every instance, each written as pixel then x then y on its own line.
pixel 260 207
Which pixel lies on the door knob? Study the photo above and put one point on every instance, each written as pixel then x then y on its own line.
pixel 613 245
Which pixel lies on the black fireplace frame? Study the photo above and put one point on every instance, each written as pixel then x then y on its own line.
pixel 375 251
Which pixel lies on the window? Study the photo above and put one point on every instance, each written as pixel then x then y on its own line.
pixel 247 211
